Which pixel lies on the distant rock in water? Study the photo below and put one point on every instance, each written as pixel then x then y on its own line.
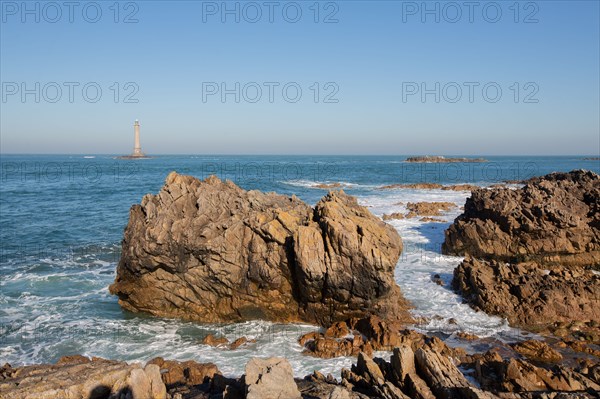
pixel 213 252
pixel 441 159
pixel 554 218
pixel 549 233
pixel 430 186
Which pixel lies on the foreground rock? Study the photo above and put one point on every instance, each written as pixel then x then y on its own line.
pixel 419 367
pixel 211 251
pixel 78 377
pixel 270 379
pixel 441 159
pixel 553 219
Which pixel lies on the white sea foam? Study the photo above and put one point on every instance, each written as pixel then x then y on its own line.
pixel 421 259
pixel 316 184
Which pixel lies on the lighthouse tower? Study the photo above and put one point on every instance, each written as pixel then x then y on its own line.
pixel 137 148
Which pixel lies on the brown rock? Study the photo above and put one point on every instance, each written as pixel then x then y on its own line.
pixel 432 220
pixel 185 373
pixel 461 187
pixel 73 359
pixel 467 336
pixel 78 379
pixel 440 373
pixel 528 295
pixel 311 336
pixel 379 334
pixel 6 372
pixel 437 279
pixel 240 341
pixel 537 350
pixel 516 375
pixel 319 345
pixel 393 216
pixel 214 341
pixel 539 243
pixel 210 251
pixel 337 330
pixel 554 219
pixel 426 373
pixel 418 186
pixel 431 186
pixel 382 334
pixel 428 208
pixel 270 379
pixel 157 386
pixel 328 186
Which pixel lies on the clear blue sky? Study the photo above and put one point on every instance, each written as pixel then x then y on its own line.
pixel 376 53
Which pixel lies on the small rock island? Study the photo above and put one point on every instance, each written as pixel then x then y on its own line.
pixel 441 159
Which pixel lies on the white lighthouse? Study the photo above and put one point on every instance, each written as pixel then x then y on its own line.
pixel 137 148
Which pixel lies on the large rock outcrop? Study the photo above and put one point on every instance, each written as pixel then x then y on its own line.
pixel 531 252
pixel 552 219
pixel 213 252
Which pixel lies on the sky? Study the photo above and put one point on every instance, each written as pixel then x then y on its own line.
pixel 305 77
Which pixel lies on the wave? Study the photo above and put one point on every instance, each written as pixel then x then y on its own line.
pixel 322 184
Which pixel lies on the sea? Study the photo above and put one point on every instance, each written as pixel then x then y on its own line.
pixel 62 219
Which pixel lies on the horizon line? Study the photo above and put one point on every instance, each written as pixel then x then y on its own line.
pixel 298 154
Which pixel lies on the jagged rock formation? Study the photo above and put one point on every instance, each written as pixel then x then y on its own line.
pixel 552 219
pixel 211 251
pixel 531 252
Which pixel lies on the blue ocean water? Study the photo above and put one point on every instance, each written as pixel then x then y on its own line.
pixel 62 220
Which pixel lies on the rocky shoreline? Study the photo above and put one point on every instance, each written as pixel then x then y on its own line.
pixel 419 367
pixel 210 251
